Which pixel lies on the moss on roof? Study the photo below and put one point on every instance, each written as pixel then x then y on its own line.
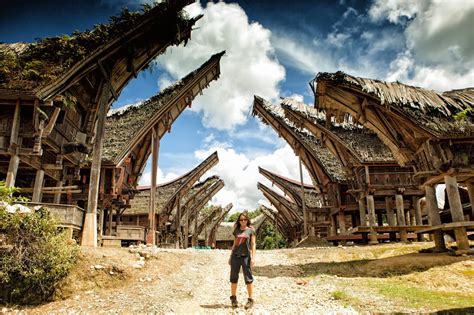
pixel 25 66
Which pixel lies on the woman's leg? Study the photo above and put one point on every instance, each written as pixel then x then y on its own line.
pixel 248 277
pixel 233 289
pixel 249 289
pixel 234 274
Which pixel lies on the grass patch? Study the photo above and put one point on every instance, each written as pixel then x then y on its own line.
pixel 424 298
pixel 339 295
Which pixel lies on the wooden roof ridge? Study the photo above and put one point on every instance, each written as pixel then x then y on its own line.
pixel 214 226
pixel 347 141
pixel 209 193
pixel 188 179
pixel 290 209
pixel 196 194
pixel 320 162
pixel 258 221
pixel 153 16
pixel 275 217
pixel 157 109
pixel 429 112
pixel 292 188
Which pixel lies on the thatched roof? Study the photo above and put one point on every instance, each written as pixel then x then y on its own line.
pixel 211 223
pixel 293 189
pixel 327 161
pixel 432 110
pixel 28 66
pixel 225 232
pixel 362 141
pixel 168 193
pixel 199 195
pixel 123 124
pixel 290 210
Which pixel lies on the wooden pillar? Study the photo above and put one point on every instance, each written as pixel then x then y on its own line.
pixel 89 232
pixel 37 190
pixel 186 229
pixel 418 218
pixel 401 217
pixel 101 224
pixel 57 194
pixel 389 208
pixel 151 231
pixel 470 190
pixel 12 170
pixel 433 213
pixel 341 218
pixel 178 225
pixel 333 225
pixel 380 219
pixel 362 212
pixel 372 224
pixel 110 212
pixel 305 215
pixel 457 215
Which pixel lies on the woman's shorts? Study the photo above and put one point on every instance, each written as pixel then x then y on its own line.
pixel 240 261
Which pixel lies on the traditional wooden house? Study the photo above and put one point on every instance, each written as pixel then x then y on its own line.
pixel 289 215
pixel 55 94
pixel 276 219
pixel 209 224
pixel 306 197
pixel 326 172
pixel 375 178
pixel 168 205
pixel 421 129
pixel 130 132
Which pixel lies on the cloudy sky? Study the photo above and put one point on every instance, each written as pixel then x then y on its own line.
pixel 274 48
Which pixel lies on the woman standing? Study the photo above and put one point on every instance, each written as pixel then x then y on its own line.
pixel 242 255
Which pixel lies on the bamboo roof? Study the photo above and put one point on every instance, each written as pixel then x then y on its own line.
pixel 362 142
pixel 169 193
pixel 432 110
pixel 32 66
pixel 293 189
pixel 327 161
pixel 129 123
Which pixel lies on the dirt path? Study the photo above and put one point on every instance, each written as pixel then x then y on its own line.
pixel 289 281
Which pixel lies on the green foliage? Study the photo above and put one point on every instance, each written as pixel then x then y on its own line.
pixel 252 215
pixel 463 114
pixel 269 237
pixel 37 255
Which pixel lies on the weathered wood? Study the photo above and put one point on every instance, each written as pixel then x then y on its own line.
pixel 342 222
pixel 457 215
pixel 303 203
pixel 435 219
pixel 186 229
pixel 470 190
pixel 155 146
pixel 39 179
pixel 333 225
pixel 401 216
pixel 15 126
pixel 389 209
pixel 362 212
pixel 372 224
pixel 57 194
pixel 89 233
pixel 12 170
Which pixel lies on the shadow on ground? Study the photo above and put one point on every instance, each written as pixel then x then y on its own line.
pixel 378 268
pixel 216 306
pixel 457 311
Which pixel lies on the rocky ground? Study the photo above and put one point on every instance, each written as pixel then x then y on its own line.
pixel 289 281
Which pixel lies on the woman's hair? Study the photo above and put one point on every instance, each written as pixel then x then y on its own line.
pixel 244 214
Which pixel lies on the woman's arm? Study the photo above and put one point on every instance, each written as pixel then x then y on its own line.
pixel 232 249
pixel 253 249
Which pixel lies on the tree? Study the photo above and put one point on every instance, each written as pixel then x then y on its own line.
pixel 270 238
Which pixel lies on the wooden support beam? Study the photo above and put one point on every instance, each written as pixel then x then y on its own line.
pixel 12 170
pixel 89 232
pixel 470 190
pixel 39 180
pixel 457 215
pixel 372 224
pixel 342 222
pixel 435 219
pixel 305 215
pixel 362 212
pixel 57 194
pixel 15 126
pixel 155 147
pixel 401 217
pixel 389 209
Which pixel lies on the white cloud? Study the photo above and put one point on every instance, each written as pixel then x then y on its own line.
pixel 247 68
pixel 240 174
pixel 440 46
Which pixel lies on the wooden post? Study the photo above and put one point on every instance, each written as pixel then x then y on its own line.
pixel 89 232
pixel 390 215
pixel 433 213
pixel 15 126
pixel 418 218
pixel 39 179
pixel 470 190
pixel 371 208
pixel 110 213
pixel 12 170
pixel 333 225
pixel 401 217
pixel 186 228
pixel 380 219
pixel 57 195
pixel 101 224
pixel 178 224
pixel 362 212
pixel 342 222
pixel 155 146
pixel 305 215
pixel 456 212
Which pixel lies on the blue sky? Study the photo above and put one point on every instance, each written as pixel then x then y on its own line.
pixel 274 48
